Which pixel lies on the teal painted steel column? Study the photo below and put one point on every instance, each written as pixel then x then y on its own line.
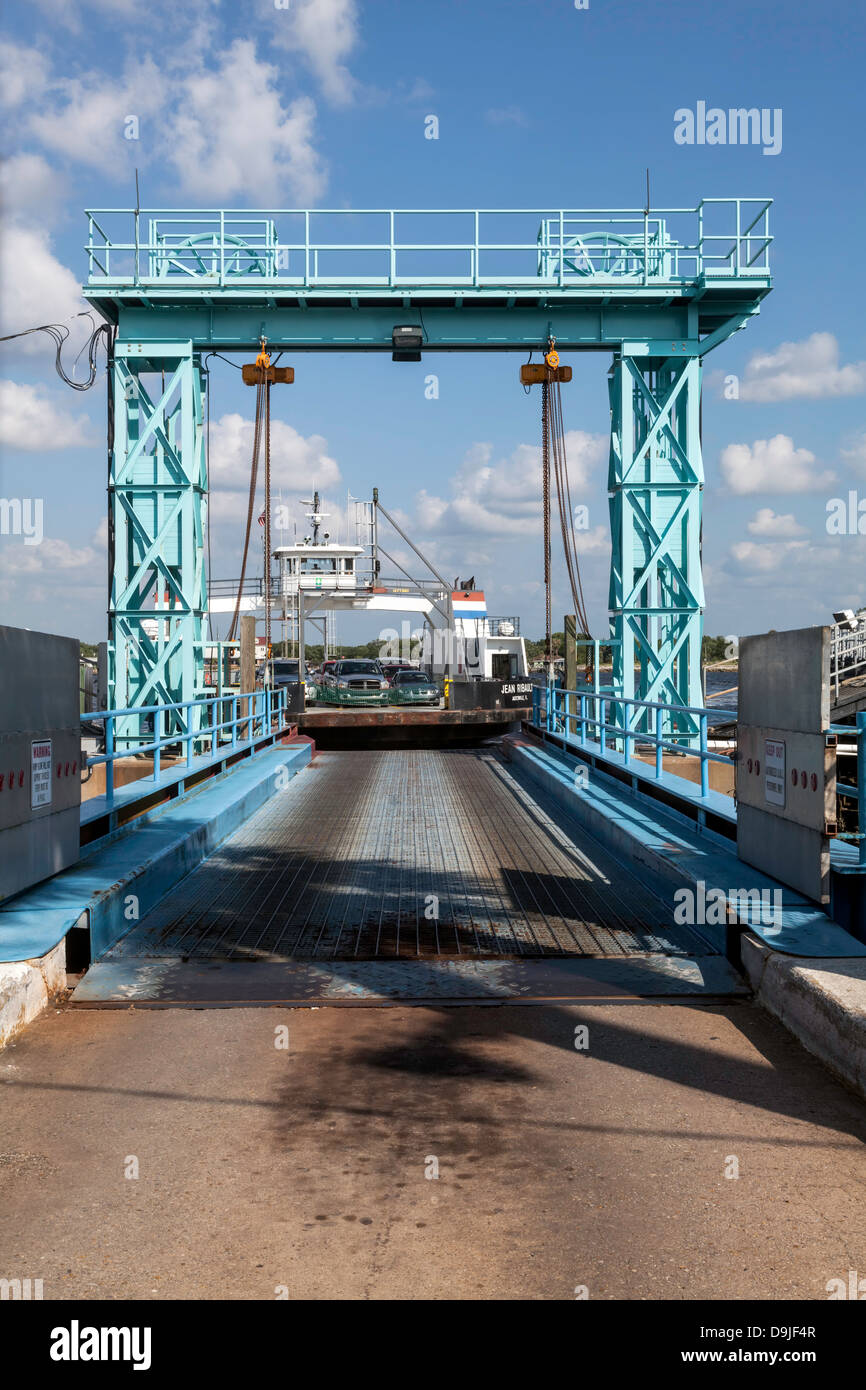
pixel 655 482
pixel 158 505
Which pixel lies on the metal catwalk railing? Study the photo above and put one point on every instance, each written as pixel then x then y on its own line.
pixel 375 247
pixel 847 654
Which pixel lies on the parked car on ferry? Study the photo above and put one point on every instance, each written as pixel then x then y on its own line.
pixel 285 673
pixel 412 687
pixel 355 681
pixel 393 668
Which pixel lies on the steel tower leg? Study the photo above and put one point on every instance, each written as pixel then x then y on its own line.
pixel 655 483
pixel 158 508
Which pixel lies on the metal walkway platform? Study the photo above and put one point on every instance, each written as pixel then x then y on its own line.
pixel 394 855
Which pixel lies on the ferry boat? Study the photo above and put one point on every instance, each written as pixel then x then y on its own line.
pixel 447 627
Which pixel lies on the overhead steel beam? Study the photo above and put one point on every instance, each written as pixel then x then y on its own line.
pixel 648 329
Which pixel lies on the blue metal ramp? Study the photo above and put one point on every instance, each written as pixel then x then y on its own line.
pixel 407 875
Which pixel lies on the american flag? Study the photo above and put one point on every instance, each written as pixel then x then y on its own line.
pixel 262 519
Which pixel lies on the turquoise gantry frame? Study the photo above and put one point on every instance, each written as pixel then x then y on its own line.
pixel 658 289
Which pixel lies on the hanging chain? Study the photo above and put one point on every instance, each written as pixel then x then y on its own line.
pixel 254 472
pixel 553 452
pixel 545 489
pixel 267 529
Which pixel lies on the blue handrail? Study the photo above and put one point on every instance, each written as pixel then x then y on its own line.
pixel 265 712
pixel 551 712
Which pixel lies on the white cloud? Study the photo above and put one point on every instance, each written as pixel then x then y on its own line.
pixel 34 289
pixel 30 187
pixel 807 370
pixel 772 465
pixel 297 463
pixel 752 555
pixel 325 32
pixel 53 578
pixel 231 134
pixel 50 555
pixel 855 453
pixel 766 522
pixel 504 498
pixel 23 74
pixel 31 420
pixel 224 127
pixel 594 542
pixel 86 121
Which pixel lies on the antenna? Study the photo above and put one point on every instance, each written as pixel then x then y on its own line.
pixel 647 209
pixel 136 220
pixel 317 516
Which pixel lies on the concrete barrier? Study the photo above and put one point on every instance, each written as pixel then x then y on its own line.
pixel 822 1002
pixel 27 987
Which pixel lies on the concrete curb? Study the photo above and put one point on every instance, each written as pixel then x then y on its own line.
pixel 27 987
pixel 823 1003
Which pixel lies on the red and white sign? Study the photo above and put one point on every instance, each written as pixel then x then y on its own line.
pixel 40 773
pixel 469 604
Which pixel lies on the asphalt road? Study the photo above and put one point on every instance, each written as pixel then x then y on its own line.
pixel 304 1169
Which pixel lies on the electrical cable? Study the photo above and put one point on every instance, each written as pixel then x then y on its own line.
pixel 59 333
pixel 213 353
pixel 527 389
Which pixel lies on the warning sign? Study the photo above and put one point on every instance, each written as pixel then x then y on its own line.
pixel 40 773
pixel 774 772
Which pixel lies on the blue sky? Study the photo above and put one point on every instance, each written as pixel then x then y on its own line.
pixel 324 103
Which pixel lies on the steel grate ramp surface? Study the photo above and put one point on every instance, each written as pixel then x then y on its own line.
pixel 388 855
